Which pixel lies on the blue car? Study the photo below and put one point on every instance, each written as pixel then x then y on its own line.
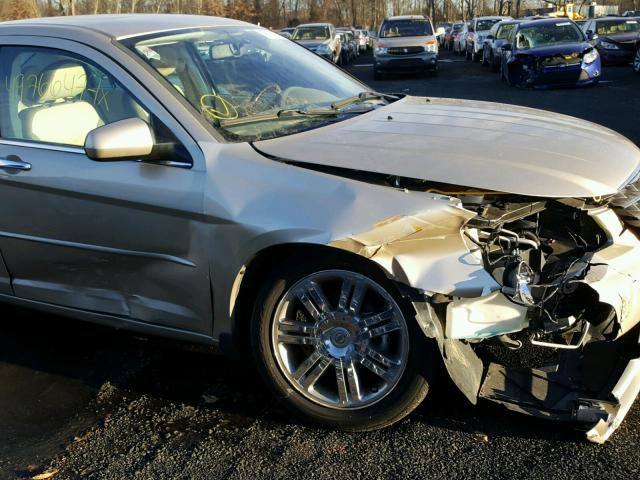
pixel 492 48
pixel 547 53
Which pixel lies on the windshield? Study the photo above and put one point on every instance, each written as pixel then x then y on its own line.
pixel 611 27
pixel 319 32
pixel 482 25
pixel 242 78
pixel 457 27
pixel 548 34
pixel 406 28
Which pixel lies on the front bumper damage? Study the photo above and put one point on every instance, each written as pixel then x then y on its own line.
pixel 555 71
pixel 592 381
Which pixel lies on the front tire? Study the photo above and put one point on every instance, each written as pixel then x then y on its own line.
pixel 485 58
pixel 493 65
pixel 339 346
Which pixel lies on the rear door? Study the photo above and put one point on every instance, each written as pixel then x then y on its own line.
pixel 120 238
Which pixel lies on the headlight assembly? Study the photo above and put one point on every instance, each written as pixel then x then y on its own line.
pixel 609 46
pixel 324 48
pixel 380 51
pixel 431 47
pixel 590 57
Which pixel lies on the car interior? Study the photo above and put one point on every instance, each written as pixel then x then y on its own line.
pixel 227 77
pixel 56 98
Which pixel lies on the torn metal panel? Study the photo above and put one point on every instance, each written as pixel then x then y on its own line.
pixel 625 392
pixel 615 270
pixel 554 396
pixel 427 251
pixel 462 363
pixel 594 386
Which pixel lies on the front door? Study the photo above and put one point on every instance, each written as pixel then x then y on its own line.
pixel 121 238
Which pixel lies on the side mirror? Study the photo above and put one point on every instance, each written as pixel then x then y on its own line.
pixel 133 139
pixel 589 34
pixel 489 37
pixel 506 47
pixel 123 140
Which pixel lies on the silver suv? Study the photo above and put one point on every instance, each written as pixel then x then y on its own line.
pixel 405 43
pixel 320 38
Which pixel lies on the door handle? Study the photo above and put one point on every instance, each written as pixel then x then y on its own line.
pixel 14 163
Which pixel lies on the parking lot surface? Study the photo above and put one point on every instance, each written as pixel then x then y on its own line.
pixel 87 402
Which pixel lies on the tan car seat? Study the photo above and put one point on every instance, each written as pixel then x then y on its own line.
pixel 57 111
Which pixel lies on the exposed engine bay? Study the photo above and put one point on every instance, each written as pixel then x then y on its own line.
pixel 547 343
pixel 539 251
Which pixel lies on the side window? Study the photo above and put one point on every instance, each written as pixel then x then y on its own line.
pixel 57 97
pixel 506 31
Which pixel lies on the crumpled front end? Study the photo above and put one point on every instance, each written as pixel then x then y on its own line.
pixel 553 70
pixel 533 302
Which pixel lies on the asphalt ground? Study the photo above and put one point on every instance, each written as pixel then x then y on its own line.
pixel 87 402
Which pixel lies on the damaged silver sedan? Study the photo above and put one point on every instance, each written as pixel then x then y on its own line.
pixel 208 180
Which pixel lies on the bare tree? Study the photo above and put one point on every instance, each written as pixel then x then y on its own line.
pixel 19 9
pixel 279 13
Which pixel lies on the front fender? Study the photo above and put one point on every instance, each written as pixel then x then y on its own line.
pixel 254 203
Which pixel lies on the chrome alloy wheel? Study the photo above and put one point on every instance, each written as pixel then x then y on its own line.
pixel 636 61
pixel 340 339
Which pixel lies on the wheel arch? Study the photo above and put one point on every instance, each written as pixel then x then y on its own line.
pixel 249 280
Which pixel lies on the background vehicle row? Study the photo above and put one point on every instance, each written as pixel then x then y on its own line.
pixel 545 51
pixel 339 45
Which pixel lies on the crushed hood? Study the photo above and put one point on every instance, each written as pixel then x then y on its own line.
pixel 562 49
pixel 483 145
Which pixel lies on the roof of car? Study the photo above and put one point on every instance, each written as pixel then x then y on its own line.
pixel 542 21
pixel 407 17
pixel 129 25
pixel 320 24
pixel 615 17
pixel 492 17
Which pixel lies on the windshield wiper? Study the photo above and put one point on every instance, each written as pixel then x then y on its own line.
pixel 280 114
pixel 361 97
pixel 333 111
pixel 317 112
